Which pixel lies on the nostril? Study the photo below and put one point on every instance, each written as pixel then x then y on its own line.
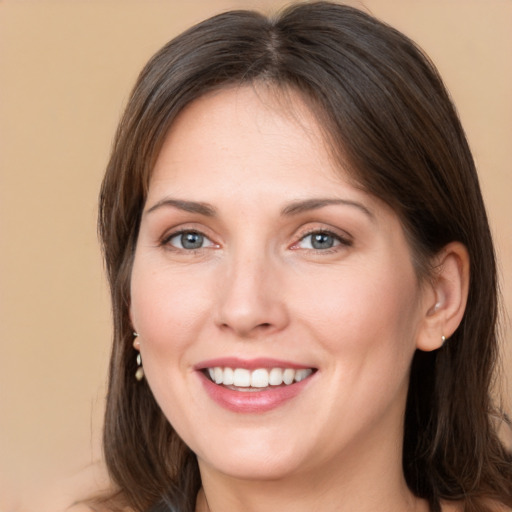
pixel 258 328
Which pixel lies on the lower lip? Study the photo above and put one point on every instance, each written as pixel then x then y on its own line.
pixel 252 401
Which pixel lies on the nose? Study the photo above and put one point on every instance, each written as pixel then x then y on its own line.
pixel 251 298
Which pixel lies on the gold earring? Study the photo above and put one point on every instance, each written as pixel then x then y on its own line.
pixel 139 374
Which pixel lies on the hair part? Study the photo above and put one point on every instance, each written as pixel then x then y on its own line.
pixel 389 120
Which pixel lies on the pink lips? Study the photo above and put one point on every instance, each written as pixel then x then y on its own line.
pixel 250 401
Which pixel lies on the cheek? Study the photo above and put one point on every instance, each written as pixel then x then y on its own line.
pixel 364 310
pixel 366 322
pixel 167 308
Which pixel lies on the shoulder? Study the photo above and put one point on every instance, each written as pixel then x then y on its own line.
pixel 459 506
pixel 85 507
pixel 456 506
pixel 81 508
pixel 499 507
pixel 86 490
pixel 92 505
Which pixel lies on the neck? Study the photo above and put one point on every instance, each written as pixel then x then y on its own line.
pixel 273 496
pixel 360 481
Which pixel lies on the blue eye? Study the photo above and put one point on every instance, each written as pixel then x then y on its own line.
pixel 321 240
pixel 189 240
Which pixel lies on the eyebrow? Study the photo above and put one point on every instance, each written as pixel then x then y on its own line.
pixel 307 205
pixel 188 206
pixel 294 208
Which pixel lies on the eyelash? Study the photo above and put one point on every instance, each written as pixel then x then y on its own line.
pixel 167 240
pixel 338 241
pixel 341 241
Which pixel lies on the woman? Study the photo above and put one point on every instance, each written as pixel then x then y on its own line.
pixel 302 276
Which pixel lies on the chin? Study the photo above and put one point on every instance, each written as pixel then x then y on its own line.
pixel 272 463
pixel 260 470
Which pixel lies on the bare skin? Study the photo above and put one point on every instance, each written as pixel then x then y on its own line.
pixel 250 184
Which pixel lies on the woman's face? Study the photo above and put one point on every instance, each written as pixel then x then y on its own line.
pixel 260 266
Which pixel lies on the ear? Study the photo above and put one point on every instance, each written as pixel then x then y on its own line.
pixel 445 297
pixel 136 342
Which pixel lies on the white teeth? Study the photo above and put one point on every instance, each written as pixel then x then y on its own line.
pixel 241 378
pixel 275 377
pixel 288 376
pixel 302 374
pixel 228 376
pixel 218 375
pixel 260 378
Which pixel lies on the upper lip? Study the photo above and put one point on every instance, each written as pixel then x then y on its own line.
pixel 249 364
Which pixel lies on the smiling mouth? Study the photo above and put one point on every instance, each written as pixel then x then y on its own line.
pixel 242 379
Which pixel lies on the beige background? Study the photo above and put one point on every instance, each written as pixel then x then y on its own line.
pixel 66 68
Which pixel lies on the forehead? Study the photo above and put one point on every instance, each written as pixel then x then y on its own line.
pixel 255 127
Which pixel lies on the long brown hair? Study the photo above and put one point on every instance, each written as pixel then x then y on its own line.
pixel 387 114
